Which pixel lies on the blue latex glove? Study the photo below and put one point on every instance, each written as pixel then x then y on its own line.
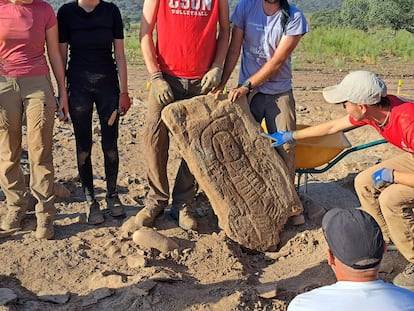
pixel 383 177
pixel 280 138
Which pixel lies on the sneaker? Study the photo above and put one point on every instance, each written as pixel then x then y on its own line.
pixel 94 215
pixel 113 203
pixel 13 219
pixel 184 214
pixel 146 216
pixel 44 229
pixel 406 278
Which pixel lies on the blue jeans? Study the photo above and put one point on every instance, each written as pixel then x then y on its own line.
pixel 85 89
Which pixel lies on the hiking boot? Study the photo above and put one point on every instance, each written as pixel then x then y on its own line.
pixel 406 278
pixel 129 226
pixel 185 216
pixel 311 209
pixel 297 220
pixel 94 215
pixel 13 219
pixel 44 229
pixel 146 216
pixel 5 234
pixel 113 203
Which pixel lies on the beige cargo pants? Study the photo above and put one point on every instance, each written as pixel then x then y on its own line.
pixel 393 206
pixel 32 97
pixel 157 144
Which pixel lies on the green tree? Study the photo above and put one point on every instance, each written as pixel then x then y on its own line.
pixel 395 14
pixel 316 5
pixel 326 18
pixel 354 13
pixel 127 22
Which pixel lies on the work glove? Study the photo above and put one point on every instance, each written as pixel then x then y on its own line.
pixel 280 138
pixel 161 89
pixel 383 178
pixel 211 79
pixel 124 103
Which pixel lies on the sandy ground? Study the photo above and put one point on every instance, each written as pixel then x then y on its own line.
pixel 95 268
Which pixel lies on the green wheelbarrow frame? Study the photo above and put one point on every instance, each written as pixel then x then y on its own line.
pixel 330 164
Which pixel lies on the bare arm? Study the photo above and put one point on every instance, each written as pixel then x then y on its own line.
pixel 284 49
pixel 329 127
pixel 124 100
pixel 224 33
pixel 53 52
pixel 148 20
pixel 120 60
pixel 341 124
pixel 63 48
pixel 404 178
pixel 232 56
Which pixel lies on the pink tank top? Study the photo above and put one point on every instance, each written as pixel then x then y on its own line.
pixel 186 36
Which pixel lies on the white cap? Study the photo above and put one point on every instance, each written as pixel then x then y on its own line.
pixel 358 87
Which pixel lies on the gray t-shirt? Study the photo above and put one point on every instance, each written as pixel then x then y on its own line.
pixel 262 33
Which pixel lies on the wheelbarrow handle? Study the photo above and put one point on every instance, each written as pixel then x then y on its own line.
pixel 340 157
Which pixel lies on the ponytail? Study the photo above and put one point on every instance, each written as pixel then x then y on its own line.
pixel 285 14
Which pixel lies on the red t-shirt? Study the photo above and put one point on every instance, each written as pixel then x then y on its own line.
pixel 187 37
pixel 399 130
pixel 23 36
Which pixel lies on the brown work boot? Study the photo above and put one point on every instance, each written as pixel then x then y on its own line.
pixel 113 203
pixel 146 216
pixel 93 213
pixel 129 226
pixel 44 229
pixel 297 220
pixel 184 214
pixel 406 278
pixel 13 219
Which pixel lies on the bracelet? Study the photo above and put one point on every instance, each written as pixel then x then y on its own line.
pixel 123 93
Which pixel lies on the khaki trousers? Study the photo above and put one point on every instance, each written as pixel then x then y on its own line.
pixel 278 110
pixel 32 96
pixel 157 145
pixel 392 207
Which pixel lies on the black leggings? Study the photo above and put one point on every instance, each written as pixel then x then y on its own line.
pixel 85 89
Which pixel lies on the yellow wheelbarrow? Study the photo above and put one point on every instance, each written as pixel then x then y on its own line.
pixel 316 155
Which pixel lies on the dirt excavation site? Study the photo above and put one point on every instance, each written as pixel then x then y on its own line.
pixel 239 259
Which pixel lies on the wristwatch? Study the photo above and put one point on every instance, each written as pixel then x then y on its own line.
pixel 247 84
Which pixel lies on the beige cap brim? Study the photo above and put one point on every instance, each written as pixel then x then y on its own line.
pixel 334 94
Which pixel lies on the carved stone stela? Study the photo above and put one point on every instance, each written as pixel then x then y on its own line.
pixel 244 178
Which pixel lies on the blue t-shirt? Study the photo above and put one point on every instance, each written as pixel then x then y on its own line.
pixel 346 296
pixel 262 33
